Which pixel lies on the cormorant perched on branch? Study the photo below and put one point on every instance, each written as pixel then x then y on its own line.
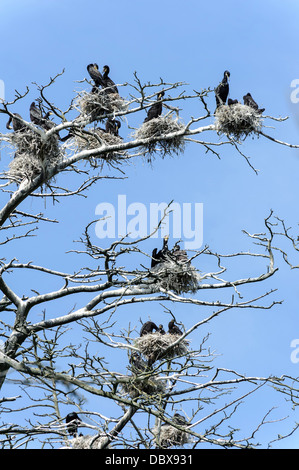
pixel 221 91
pixel 156 109
pixel 38 119
pixel 72 421
pixel 249 101
pixel 148 327
pixel 174 329
pixel 107 82
pixel 95 74
pixel 158 256
pixel 112 126
pixel 17 125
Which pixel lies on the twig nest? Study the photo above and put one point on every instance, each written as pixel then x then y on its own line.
pixel 33 155
pixel 93 139
pixel 178 277
pixel 98 104
pixel 86 442
pixel 160 127
pixel 149 386
pixel 169 436
pixel 237 120
pixel 156 346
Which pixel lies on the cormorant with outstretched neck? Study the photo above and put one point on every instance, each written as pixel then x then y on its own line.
pixel 107 83
pixel 95 74
pixel 249 101
pixel 221 91
pixel 158 256
pixel 156 109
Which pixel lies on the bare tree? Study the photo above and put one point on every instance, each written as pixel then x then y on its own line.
pixel 62 360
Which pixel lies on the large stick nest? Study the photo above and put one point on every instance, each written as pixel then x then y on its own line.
pixel 237 120
pixel 170 436
pixel 94 139
pixel 175 276
pixel 155 346
pixel 149 386
pixel 33 155
pixel 98 104
pixel 159 127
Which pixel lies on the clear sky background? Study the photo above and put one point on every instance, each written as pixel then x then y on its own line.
pixel 194 42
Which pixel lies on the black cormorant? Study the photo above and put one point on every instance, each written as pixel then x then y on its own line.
pixel 95 74
pixel 112 126
pixel 37 117
pixel 158 256
pixel 72 421
pixel 107 83
pixel 17 125
pixel 148 327
pixel 249 101
pixel 174 329
pixel 156 109
pixel 221 91
pixel 161 330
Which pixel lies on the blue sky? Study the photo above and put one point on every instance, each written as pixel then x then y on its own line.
pixel 192 42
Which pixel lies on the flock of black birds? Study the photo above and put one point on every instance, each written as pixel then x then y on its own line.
pixel 112 126
pixel 108 86
pixel 103 80
pixel 222 91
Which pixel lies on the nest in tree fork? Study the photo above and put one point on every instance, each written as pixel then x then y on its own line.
pixel 161 127
pixel 156 346
pixel 94 139
pixel 137 386
pixel 169 436
pixel 175 276
pixel 237 120
pixel 33 155
pixel 98 104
